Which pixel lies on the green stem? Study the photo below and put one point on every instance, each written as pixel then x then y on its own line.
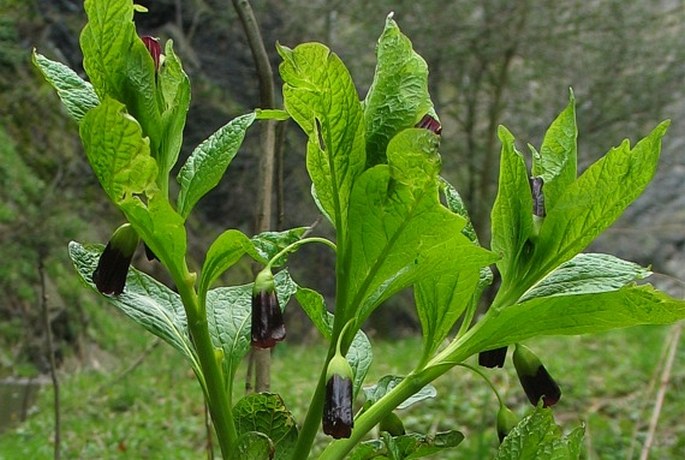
pixel 291 247
pixel 217 396
pixel 484 377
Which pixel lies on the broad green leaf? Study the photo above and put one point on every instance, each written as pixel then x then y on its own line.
pixel 267 244
pixel 360 353
pixel 573 315
pixel 160 226
pixel 145 300
pixel 440 301
pixel 512 213
pixel 229 311
pixel 538 436
pixel 174 86
pixel 207 164
pixel 119 65
pixel 320 96
pixel 253 445
pixel 386 383
pixel 117 151
pixel 585 274
pixel 557 161
pixel 596 199
pixel 266 413
pixel 224 252
pixel 398 96
pixel 76 94
pixel 399 231
pixel 406 447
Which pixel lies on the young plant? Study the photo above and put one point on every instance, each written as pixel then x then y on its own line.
pixel 375 172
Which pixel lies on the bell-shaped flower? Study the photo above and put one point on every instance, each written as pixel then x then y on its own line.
pixel 430 123
pixel 534 378
pixel 337 410
pixel 267 324
pixel 110 274
pixel 492 358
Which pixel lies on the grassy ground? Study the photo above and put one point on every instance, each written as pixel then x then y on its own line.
pixel 156 411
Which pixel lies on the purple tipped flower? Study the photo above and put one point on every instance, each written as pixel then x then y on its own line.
pixel 268 327
pixel 534 378
pixel 430 123
pixel 492 358
pixel 337 418
pixel 155 49
pixel 110 274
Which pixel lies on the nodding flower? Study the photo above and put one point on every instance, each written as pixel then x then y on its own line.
pixel 506 421
pixel 110 274
pixel 536 184
pixel 430 123
pixel 534 378
pixel 267 324
pixel 337 411
pixel 155 49
pixel 492 358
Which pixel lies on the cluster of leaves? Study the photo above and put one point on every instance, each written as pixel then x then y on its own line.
pixel 375 172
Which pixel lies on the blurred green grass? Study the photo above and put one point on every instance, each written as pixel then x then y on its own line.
pixel 156 410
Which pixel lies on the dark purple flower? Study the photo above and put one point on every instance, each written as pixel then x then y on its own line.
pixel 534 378
pixel 155 49
pixel 536 184
pixel 430 123
pixel 337 409
pixel 110 274
pixel 268 327
pixel 492 358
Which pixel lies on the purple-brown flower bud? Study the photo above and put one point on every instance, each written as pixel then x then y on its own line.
pixel 534 378
pixel 110 274
pixel 268 327
pixel 155 49
pixel 492 358
pixel 337 409
pixel 506 421
pixel 430 123
pixel 536 184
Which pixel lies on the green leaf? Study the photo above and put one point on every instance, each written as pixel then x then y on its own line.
pixel 224 252
pixel 320 96
pixel 386 383
pixel 407 446
pixel 207 164
pixel 360 353
pixel 145 300
pixel 174 86
pixel 456 204
pixel 398 96
pixel 229 311
pixel 267 244
pixel 117 151
pixel 585 274
pixel 76 94
pixel 512 213
pixel 399 231
pixel 596 199
pixel 557 161
pixel 253 445
pixel 538 436
pixel 440 301
pixel 160 226
pixel 573 315
pixel 266 413
pixel 119 65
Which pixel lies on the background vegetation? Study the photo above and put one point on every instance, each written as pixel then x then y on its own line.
pixel 491 62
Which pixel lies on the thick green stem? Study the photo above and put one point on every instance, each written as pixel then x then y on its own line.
pixel 217 396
